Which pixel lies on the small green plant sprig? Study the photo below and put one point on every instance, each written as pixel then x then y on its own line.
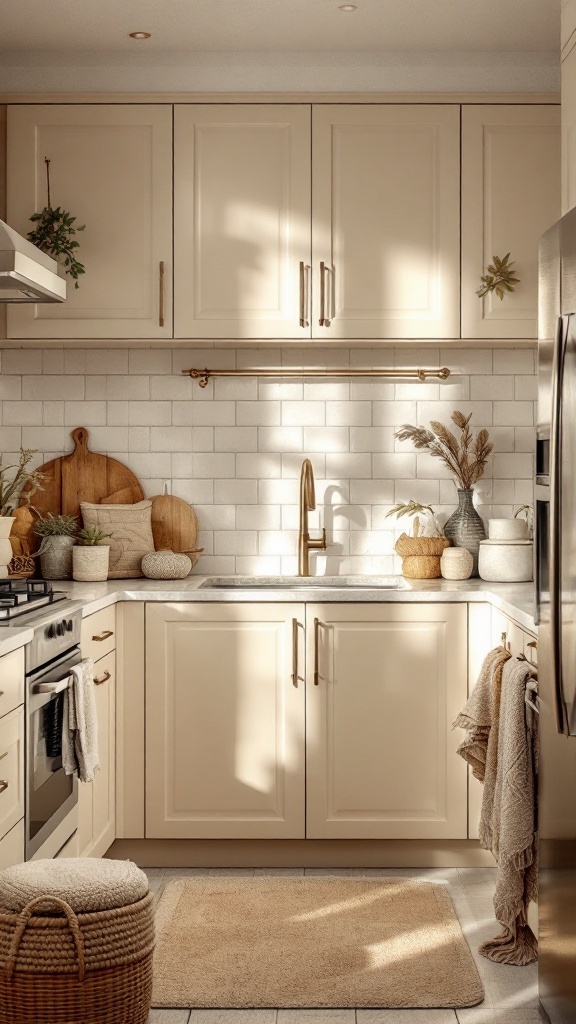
pixel 54 234
pixel 52 525
pixel 10 489
pixel 414 508
pixel 91 535
pixel 499 278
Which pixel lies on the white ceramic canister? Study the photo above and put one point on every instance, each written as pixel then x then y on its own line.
pixel 507 529
pixel 505 561
pixel 456 564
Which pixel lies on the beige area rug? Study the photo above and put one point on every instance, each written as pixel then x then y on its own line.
pixel 311 942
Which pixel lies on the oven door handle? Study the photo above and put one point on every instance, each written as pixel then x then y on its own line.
pixel 56 687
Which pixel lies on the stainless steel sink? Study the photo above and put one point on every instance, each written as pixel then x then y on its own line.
pixel 304 583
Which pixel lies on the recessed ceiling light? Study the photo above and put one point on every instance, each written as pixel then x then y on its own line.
pixel 139 35
pixel 347 7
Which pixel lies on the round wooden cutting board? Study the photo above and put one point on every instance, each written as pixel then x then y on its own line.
pixel 83 476
pixel 174 524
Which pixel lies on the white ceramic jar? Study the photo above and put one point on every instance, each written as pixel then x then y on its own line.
pixel 507 529
pixel 456 564
pixel 505 561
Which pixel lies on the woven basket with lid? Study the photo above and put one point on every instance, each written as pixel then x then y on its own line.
pixel 63 960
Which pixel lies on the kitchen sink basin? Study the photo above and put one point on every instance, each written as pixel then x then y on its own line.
pixel 304 583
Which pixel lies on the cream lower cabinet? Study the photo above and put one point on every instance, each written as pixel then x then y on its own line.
pixel 385 686
pixel 224 721
pixel 12 758
pixel 97 799
pixel 226 752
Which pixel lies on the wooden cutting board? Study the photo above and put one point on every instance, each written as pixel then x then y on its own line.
pixel 174 524
pixel 84 476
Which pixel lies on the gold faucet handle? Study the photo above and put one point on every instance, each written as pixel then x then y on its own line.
pixel 317 543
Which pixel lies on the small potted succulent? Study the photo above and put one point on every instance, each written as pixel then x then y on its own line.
pixel 90 557
pixel 58 534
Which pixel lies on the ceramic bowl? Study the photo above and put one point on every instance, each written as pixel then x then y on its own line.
pixel 507 529
pixel 505 561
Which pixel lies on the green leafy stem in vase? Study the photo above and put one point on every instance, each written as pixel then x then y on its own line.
pixel 54 234
pixel 499 277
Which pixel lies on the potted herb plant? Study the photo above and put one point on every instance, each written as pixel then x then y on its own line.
pixel 90 557
pixel 58 534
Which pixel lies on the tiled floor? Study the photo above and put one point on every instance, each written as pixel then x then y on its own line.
pixel 511 992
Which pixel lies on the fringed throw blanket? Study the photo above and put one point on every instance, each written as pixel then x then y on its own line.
pixel 501 747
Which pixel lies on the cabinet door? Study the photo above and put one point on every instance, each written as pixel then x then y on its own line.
pixel 241 221
pixel 381 753
pixel 225 721
pixel 510 196
pixel 386 209
pixel 111 167
pixel 12 764
pixel 96 800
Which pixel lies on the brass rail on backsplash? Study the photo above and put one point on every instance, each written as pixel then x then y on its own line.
pixel 395 373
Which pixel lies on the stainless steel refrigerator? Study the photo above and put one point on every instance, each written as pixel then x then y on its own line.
pixel 555 520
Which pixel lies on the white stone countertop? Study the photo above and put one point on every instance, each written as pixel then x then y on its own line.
pixel 513 599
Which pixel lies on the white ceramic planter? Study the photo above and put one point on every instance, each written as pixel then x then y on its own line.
pixel 505 561
pixel 507 529
pixel 90 562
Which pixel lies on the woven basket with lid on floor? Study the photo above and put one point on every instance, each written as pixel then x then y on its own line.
pixel 76 943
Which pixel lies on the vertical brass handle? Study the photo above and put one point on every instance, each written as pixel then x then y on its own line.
pixel 102 679
pixel 304 293
pixel 322 293
pixel 295 652
pixel 317 625
pixel 3 785
pixel 161 293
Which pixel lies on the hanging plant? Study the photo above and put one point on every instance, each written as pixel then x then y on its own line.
pixel 54 234
pixel 500 278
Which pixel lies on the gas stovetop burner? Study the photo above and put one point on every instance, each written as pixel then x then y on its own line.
pixel 20 596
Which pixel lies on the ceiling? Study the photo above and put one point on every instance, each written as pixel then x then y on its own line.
pixel 180 26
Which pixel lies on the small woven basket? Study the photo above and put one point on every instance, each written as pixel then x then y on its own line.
pixel 92 968
pixel 421 556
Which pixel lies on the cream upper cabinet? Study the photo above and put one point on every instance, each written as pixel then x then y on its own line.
pixel 242 221
pixel 386 212
pixel 111 167
pixel 224 721
pixel 510 196
pixel 385 684
pixel 569 128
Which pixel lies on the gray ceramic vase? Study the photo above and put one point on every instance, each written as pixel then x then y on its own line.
pixel 465 527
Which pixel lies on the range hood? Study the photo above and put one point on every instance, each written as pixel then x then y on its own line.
pixel 26 273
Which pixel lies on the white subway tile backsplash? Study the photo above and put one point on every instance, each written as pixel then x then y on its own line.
pixel 235 439
pixel 235 448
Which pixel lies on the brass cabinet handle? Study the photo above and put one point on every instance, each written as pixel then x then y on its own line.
pixel 104 635
pixel 324 320
pixel 316 651
pixel 161 293
pixel 532 643
pixel 102 679
pixel 296 677
pixel 3 785
pixel 304 293
pixel 2 756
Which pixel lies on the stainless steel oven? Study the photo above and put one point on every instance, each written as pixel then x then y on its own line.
pixel 51 804
pixel 51 794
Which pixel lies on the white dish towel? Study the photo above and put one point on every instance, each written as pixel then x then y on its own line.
pixel 80 724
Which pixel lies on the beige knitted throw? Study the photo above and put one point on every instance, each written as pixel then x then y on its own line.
pixel 501 747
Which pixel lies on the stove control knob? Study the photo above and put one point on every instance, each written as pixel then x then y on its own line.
pixel 51 631
pixel 60 628
pixel 69 625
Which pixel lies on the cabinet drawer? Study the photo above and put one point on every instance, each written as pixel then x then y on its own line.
pixel 11 681
pixel 11 770
pixel 12 846
pixel 99 633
